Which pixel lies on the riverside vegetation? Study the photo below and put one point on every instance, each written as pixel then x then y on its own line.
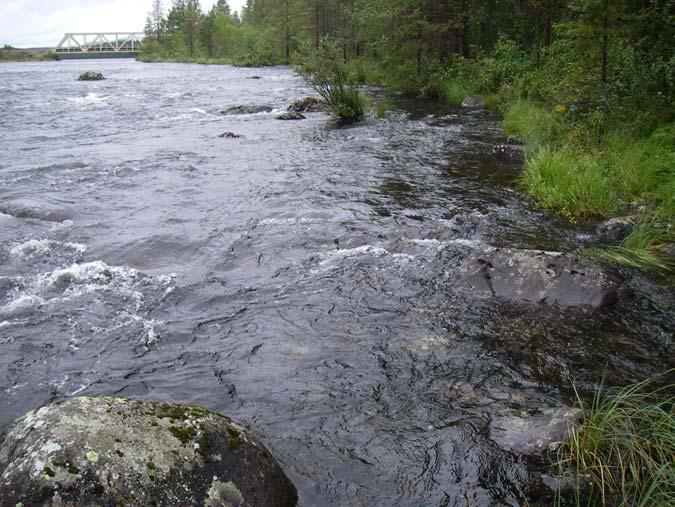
pixel 586 84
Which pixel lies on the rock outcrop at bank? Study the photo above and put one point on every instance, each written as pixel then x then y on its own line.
pixel 115 451
pixel 536 277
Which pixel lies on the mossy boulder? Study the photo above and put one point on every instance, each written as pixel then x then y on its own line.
pixel 115 451
pixel 308 105
pixel 91 76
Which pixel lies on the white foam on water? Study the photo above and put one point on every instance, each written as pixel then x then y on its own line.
pixel 43 247
pixel 285 221
pixel 90 99
pixel 22 304
pixel 92 285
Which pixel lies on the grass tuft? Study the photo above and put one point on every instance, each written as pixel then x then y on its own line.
pixel 622 452
pixel 572 184
pixel 642 249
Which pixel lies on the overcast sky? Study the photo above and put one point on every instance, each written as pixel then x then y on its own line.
pixel 26 23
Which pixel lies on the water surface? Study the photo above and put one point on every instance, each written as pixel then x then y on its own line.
pixel 298 278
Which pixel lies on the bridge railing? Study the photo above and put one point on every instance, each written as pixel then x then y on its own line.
pixel 100 42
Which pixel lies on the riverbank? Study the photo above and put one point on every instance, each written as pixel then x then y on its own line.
pixel 579 165
pixel 26 55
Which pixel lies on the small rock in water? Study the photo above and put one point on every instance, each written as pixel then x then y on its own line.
pixel 291 116
pixel 536 434
pixel 616 229
pixel 517 140
pixel 91 76
pixel 230 135
pixel 252 109
pixel 509 153
pixel 116 451
pixel 307 105
pixel 476 101
pixel 253 77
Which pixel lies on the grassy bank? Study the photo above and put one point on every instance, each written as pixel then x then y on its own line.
pixel 25 56
pixel 622 452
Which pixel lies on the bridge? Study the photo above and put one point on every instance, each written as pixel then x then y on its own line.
pixel 100 45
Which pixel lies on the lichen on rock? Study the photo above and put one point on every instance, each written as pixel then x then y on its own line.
pixel 113 451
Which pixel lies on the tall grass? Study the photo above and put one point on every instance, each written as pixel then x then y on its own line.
pixel 642 249
pixel 622 452
pixel 573 184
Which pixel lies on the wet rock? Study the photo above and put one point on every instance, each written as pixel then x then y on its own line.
pixel 254 77
pixel 307 105
pixel 251 109
pixel 515 140
pixel 669 249
pixel 509 153
pixel 114 451
pixel 616 229
pixel 537 277
pixel 291 116
pixel 91 76
pixel 475 101
pixel 534 435
pixel 229 135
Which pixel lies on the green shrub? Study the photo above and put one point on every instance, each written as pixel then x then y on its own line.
pixel 329 76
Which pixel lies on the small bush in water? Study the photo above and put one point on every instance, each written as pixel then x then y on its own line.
pixel 328 74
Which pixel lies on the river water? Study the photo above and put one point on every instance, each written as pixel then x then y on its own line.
pixel 297 279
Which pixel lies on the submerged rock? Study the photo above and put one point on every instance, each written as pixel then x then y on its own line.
pixel 115 451
pixel 475 101
pixel 512 153
pixel 230 135
pixel 537 277
pixel 534 435
pixel 291 116
pixel 91 76
pixel 616 229
pixel 307 105
pixel 251 109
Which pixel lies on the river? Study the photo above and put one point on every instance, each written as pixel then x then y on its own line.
pixel 298 278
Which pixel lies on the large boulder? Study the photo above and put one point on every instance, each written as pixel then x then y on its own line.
pixel 537 277
pixel 91 76
pixel 115 451
pixel 307 105
pixel 250 109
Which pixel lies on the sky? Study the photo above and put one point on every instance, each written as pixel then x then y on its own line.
pixel 42 23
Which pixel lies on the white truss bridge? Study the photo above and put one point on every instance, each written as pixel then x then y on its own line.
pixel 100 42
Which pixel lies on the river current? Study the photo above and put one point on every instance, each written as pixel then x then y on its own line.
pixel 296 278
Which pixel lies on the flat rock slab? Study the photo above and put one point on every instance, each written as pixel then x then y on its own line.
pixel 537 277
pixel 115 451
pixel 252 109
pixel 291 116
